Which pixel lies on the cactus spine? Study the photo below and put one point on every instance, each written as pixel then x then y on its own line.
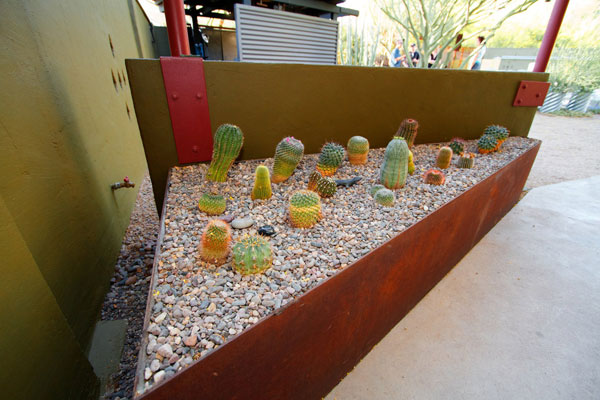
pixel 385 197
pixel 444 157
pixel 216 240
pixel 395 164
pixel 408 131
pixel 457 145
pixel 358 150
pixel 288 154
pixel 212 204
pixel 466 160
pixel 305 209
pixel 434 177
pixel 262 184
pixel 228 142
pixel 330 159
pixel 411 163
pixel 252 254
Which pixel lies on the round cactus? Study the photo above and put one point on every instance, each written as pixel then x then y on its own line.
pixel 457 145
pixel 487 144
pixel 228 142
pixel 212 204
pixel 330 159
pixel 466 160
pixel 394 169
pixel 444 157
pixel 498 131
pixel 215 243
pixel 358 150
pixel 326 187
pixel 385 197
pixel 288 154
pixel 434 177
pixel 411 163
pixel 252 254
pixel 408 131
pixel 305 209
pixel 313 178
pixel 375 188
pixel 262 184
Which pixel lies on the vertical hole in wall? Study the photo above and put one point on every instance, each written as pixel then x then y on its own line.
pixel 112 48
pixel 128 110
pixel 124 77
pixel 120 80
pixel 114 80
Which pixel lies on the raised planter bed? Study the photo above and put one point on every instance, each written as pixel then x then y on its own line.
pixel 338 306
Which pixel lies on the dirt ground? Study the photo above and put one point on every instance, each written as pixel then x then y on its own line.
pixel 570 149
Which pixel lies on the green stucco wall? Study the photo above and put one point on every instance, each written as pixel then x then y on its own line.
pixel 65 136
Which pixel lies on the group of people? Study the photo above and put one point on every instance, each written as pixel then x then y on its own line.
pixel 402 60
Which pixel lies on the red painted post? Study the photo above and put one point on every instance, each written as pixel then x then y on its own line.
pixel 558 12
pixel 177 28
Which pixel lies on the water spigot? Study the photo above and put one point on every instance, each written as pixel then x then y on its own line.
pixel 125 184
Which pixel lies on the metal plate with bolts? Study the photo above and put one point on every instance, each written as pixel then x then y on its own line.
pixel 531 94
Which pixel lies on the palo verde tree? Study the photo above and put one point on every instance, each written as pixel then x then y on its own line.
pixel 444 25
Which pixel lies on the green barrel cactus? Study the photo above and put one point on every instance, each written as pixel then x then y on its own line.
pixel 408 131
pixel 487 144
pixel 385 197
pixel 305 209
pixel 466 160
pixel 434 177
pixel 313 178
pixel 252 254
pixel 212 204
pixel 374 189
pixel 498 131
pixel 215 242
pixel 358 150
pixel 227 145
pixel 394 169
pixel 288 154
pixel 330 159
pixel 411 163
pixel 444 157
pixel 262 184
pixel 457 145
pixel 326 187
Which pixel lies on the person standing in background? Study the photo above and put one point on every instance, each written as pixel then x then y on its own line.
pixel 397 59
pixel 479 57
pixel 414 54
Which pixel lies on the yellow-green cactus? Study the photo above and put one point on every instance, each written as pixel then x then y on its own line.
pixel 228 142
pixel 262 184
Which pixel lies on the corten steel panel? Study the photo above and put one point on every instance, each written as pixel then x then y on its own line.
pixel 531 94
pixel 304 349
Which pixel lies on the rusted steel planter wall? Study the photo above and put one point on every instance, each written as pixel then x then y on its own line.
pixel 304 349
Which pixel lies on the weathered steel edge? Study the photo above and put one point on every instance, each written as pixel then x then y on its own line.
pixel 305 348
pixel 139 372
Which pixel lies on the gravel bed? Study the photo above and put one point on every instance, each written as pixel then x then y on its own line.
pixel 196 306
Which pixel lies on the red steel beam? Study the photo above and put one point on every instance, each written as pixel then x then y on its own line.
pixel 177 28
pixel 558 13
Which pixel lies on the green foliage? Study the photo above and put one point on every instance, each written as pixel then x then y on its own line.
pixel 576 70
pixel 288 154
pixel 227 144
pixel 252 254
pixel 575 114
pixel 394 170
pixel 357 42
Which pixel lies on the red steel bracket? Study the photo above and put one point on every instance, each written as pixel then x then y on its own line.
pixel 531 94
pixel 185 88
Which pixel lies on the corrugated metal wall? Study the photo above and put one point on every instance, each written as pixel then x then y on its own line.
pixel 265 35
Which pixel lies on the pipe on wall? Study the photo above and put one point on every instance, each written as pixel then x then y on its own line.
pixel 558 13
pixel 177 28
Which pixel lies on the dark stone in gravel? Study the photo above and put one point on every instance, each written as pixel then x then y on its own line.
pixel 266 230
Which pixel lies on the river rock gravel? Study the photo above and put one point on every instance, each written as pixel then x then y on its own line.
pixel 197 307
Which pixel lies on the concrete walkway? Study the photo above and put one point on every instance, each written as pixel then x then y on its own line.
pixel 517 318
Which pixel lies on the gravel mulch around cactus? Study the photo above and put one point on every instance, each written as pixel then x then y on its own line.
pixel 196 307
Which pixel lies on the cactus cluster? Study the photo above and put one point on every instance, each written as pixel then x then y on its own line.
pixel 457 145
pixel 305 209
pixel 487 144
pixel 288 154
pixel 212 204
pixel 411 163
pixel 374 189
pixel 408 131
pixel 434 177
pixel 228 142
pixel 499 132
pixel 385 197
pixel 216 240
pixel 330 159
pixel 325 186
pixel 262 184
pixel 252 254
pixel 444 157
pixel 466 160
pixel 394 169
pixel 358 150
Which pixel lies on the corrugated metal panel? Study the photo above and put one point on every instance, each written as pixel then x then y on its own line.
pixel 265 35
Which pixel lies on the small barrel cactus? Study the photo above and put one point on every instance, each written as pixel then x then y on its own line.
pixel 228 142
pixel 394 169
pixel 313 178
pixel 288 154
pixel 215 243
pixel 411 163
pixel 358 150
pixel 212 204
pixel 252 254
pixel 444 157
pixel 457 145
pixel 330 159
pixel 262 184
pixel 434 177
pixel 466 160
pixel 487 144
pixel 408 131
pixel 385 197
pixel 374 189
pixel 498 131
pixel 305 209
pixel 326 187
